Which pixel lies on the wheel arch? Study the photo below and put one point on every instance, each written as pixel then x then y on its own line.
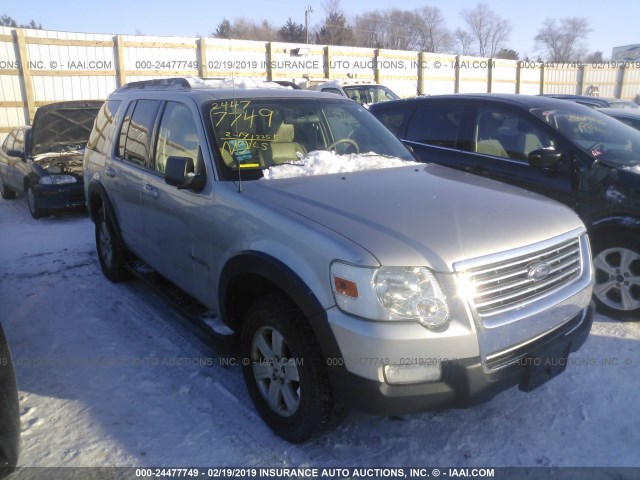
pixel 97 198
pixel 251 274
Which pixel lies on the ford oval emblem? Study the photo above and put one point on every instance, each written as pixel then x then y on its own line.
pixel 538 271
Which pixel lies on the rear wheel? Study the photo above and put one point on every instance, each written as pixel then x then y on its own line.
pixel 617 270
pixel 32 200
pixel 111 251
pixel 284 370
pixel 5 191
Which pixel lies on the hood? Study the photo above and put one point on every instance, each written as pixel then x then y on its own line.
pixel 63 126
pixel 420 215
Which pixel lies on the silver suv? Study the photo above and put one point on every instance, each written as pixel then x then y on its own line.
pixel 354 275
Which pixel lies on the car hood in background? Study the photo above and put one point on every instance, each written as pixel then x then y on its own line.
pixel 420 214
pixel 60 125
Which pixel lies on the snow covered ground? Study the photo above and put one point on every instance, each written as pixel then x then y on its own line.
pixel 110 376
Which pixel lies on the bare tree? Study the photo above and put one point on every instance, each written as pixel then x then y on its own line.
pixel 564 42
pixel 463 42
pixel 434 35
pixel 488 30
pixel 421 29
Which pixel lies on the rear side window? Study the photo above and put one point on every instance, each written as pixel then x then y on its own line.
pixel 136 132
pixel 436 125
pixel 103 126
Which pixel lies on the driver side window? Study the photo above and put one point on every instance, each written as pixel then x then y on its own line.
pixel 177 137
pixel 502 133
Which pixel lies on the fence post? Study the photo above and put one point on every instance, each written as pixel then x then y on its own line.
pixel 376 60
pixel 269 60
pixel 518 76
pixel 456 81
pixel 202 58
pixel 421 63
pixel 121 72
pixel 542 79
pixel 490 75
pixel 327 56
pixel 25 72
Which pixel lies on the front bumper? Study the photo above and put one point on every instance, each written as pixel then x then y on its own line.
pixel 464 382
pixel 60 196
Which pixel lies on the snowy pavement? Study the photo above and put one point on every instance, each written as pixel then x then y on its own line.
pixel 110 376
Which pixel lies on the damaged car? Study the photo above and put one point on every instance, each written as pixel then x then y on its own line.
pixel 44 161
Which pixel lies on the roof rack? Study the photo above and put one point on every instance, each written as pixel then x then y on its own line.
pixel 159 84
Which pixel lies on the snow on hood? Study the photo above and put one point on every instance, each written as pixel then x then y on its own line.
pixel 233 83
pixel 323 162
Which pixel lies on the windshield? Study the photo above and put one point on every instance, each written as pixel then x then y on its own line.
pixel 369 94
pixel 256 134
pixel 602 137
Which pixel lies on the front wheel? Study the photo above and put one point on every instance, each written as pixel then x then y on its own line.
pixel 111 251
pixel 32 200
pixel 284 371
pixel 617 270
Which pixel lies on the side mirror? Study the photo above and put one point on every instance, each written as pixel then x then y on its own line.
pixel 179 172
pixel 545 158
pixel 16 153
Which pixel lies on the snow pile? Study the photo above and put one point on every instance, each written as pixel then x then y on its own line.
pixel 232 83
pixel 323 162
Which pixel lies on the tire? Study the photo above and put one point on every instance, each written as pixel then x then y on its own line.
pixel 32 201
pixel 285 374
pixel 616 261
pixel 6 192
pixel 112 253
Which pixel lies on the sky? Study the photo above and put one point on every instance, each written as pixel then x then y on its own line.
pixel 613 23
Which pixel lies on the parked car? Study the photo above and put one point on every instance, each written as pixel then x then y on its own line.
pixel 365 279
pixel 44 161
pixel 560 149
pixel 9 411
pixel 630 116
pixel 362 92
pixel 596 102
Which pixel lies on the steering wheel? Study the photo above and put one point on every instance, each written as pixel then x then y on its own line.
pixel 347 141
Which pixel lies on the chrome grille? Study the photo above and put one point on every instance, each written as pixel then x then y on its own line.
pixel 510 284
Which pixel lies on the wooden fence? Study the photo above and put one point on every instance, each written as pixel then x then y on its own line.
pixel 38 67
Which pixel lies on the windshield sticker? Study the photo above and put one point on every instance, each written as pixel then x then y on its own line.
pixel 596 153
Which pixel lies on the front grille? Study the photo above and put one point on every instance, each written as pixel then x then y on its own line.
pixel 508 285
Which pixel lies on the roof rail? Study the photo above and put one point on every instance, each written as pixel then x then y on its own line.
pixel 159 84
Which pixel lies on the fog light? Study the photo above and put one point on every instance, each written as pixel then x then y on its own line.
pixel 413 373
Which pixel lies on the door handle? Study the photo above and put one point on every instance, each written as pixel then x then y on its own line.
pixel 150 191
pixel 109 171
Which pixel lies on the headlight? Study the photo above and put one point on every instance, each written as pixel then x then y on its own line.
pixel 57 180
pixel 390 293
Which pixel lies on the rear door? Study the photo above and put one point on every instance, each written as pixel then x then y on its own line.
pixel 123 175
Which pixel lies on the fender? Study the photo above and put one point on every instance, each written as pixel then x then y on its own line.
pixel 273 270
pixel 276 272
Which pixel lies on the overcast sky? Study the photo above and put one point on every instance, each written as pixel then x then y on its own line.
pixel 613 23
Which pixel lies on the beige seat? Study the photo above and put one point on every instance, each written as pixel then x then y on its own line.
pixel 491 147
pixel 283 148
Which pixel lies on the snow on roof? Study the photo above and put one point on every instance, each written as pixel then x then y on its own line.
pixel 242 83
pixel 323 162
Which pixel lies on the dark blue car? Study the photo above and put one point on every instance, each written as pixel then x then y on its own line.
pixel 44 161
pixel 566 151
